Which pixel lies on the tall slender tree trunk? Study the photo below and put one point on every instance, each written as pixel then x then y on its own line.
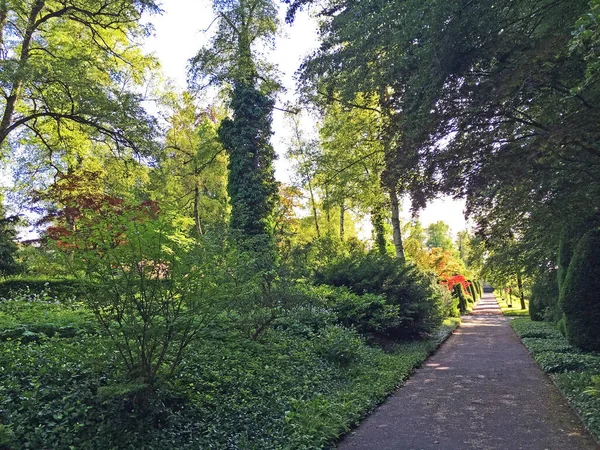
pixel 197 221
pixel 377 220
pixel 397 236
pixel 314 209
pixel 327 209
pixel 3 18
pixel 342 213
pixel 15 91
pixel 520 286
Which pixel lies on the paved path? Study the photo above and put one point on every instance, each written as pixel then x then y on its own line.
pixel 480 391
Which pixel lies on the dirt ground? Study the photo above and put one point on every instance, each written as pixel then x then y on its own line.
pixel 481 391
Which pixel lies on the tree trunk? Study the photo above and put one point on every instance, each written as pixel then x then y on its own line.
pixel 3 18
pixel 197 209
pixel 377 220
pixel 397 236
pixel 521 294
pixel 314 209
pixel 15 91
pixel 342 212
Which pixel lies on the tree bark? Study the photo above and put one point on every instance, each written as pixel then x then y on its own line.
pixel 3 18
pixel 342 212
pixel 397 236
pixel 197 209
pixel 521 294
pixel 314 208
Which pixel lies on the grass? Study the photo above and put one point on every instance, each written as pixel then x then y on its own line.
pixel 515 309
pixel 300 387
pixel 574 372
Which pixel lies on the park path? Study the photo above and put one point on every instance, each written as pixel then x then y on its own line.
pixel 480 391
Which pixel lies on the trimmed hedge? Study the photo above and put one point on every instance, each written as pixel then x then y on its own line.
pixel 579 295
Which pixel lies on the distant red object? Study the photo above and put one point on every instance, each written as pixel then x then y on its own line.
pixel 452 281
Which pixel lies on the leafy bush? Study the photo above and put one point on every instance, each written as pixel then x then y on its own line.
pixel 539 345
pixel 339 346
pixel 579 296
pixel 458 293
pixel 153 288
pixel 55 288
pixel 543 303
pixel 420 304
pixel 576 388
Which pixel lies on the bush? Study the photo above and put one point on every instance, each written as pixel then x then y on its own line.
pixel 58 288
pixel 579 296
pixel 419 302
pixel 338 345
pixel 544 296
pixel 458 292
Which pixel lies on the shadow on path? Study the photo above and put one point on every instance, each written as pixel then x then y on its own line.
pixel 481 390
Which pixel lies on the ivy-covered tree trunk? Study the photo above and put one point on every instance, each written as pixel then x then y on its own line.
pixel 377 220
pixel 252 187
pixel 397 236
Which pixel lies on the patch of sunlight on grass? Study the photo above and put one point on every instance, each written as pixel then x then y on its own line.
pixel 512 307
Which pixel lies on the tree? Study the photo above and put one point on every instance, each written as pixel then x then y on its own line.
pixel 74 65
pixel 8 245
pixel 191 178
pixel 232 58
pixel 438 235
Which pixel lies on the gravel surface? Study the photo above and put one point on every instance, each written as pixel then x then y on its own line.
pixel 481 390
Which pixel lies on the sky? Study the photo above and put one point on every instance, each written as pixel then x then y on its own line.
pixel 179 34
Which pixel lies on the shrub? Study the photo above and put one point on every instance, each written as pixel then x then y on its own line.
pixel 338 345
pixel 419 302
pixel 579 296
pixel 544 296
pixel 58 288
pixel 458 293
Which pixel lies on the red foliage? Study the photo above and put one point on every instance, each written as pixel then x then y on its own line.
pixel 452 281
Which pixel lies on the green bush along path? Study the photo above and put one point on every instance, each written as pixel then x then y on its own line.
pixel 481 390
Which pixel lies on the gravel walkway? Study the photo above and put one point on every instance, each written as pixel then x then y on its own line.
pixel 480 391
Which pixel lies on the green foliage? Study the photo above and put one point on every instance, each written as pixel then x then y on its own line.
pixel 458 292
pixel 543 304
pixel 579 295
pixel 419 303
pixel 339 346
pixel 367 313
pixel 152 288
pixel 525 328
pixel 252 187
pixel 31 317
pixel 8 245
pixel 576 373
pixel 59 289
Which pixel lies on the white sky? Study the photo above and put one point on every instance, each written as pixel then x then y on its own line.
pixel 178 37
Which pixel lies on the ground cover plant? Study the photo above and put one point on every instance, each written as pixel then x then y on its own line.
pixel 300 386
pixel 575 372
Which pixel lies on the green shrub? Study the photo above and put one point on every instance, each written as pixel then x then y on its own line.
pixel 472 292
pixel 544 296
pixel 579 296
pixel 459 293
pixel 60 289
pixel 556 345
pixel 338 345
pixel 419 302
pixel 552 362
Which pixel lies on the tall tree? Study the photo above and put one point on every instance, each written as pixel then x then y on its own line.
pixel 233 58
pixel 74 64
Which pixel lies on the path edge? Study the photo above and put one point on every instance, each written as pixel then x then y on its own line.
pixel 333 444
pixel 584 425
